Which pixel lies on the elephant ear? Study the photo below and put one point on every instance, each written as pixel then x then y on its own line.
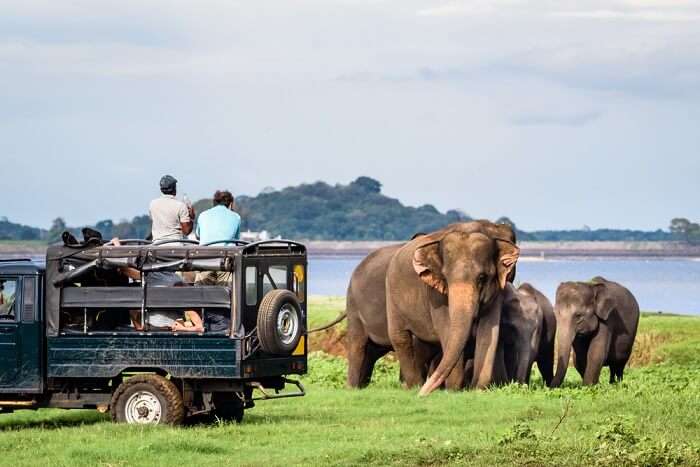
pixel 604 304
pixel 427 262
pixel 508 254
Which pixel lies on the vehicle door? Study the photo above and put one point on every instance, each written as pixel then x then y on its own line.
pixel 9 335
pixel 20 335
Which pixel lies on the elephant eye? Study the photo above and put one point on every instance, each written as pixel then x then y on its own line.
pixel 481 279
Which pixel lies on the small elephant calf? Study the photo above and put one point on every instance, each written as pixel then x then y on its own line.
pixel 528 327
pixel 599 320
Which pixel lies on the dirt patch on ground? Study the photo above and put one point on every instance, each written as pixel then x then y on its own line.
pixel 330 341
pixel 646 348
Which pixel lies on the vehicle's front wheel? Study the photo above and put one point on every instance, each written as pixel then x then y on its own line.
pixel 147 399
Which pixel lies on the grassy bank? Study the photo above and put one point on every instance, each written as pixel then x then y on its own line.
pixel 649 419
pixel 22 247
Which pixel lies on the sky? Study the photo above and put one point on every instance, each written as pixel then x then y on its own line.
pixel 558 114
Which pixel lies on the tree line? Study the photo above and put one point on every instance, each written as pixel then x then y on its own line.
pixel 356 211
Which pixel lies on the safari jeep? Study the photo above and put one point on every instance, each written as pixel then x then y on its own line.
pixel 75 332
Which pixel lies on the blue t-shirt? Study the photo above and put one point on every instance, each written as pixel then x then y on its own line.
pixel 218 223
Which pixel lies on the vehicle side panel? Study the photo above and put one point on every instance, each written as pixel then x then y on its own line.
pixel 106 357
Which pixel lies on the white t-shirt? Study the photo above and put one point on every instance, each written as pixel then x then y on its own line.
pixel 167 213
pixel 163 319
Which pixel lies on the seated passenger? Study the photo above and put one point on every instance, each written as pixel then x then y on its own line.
pixel 218 224
pixel 155 278
pixel 167 320
pixel 7 300
pixel 217 322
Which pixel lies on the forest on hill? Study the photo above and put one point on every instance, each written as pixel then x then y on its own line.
pixel 356 211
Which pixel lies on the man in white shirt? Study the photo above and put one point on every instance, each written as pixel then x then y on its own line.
pixel 172 219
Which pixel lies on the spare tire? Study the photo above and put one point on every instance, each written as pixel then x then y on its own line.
pixel 279 322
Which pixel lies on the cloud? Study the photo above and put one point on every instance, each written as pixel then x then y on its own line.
pixel 648 15
pixel 475 7
pixel 220 90
pixel 572 120
pixel 627 10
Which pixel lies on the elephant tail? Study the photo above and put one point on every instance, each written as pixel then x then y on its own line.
pixel 331 324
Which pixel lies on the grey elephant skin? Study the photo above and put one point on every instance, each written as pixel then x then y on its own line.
pixel 528 327
pixel 367 337
pixel 598 320
pixel 438 288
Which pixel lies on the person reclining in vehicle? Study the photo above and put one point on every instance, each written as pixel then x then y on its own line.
pixel 166 320
pixel 189 321
pixel 218 224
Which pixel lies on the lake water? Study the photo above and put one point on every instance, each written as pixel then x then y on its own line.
pixel 670 285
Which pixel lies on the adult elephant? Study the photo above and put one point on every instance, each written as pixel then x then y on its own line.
pixel 528 327
pixel 441 285
pixel 367 338
pixel 598 319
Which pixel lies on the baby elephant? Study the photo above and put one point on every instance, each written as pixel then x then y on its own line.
pixel 599 320
pixel 528 327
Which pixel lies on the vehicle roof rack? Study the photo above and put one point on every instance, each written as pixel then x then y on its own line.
pixel 134 241
pixel 175 240
pixel 289 244
pixel 235 242
pixel 15 260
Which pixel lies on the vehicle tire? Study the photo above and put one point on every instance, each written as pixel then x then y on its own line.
pixel 147 399
pixel 228 407
pixel 279 322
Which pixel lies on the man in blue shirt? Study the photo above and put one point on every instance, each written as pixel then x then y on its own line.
pixel 218 224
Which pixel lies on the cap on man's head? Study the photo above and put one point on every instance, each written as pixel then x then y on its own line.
pixel 167 183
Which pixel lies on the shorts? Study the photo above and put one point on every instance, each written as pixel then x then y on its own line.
pixel 163 279
pixel 214 278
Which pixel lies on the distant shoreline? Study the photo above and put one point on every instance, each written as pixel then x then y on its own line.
pixel 536 250
pixel 533 250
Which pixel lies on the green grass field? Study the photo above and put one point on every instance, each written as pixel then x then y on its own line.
pixel 649 419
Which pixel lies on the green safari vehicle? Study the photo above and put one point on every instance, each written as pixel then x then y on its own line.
pixel 76 330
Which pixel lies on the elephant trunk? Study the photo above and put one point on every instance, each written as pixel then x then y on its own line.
pixel 566 340
pixel 463 305
pixel 523 359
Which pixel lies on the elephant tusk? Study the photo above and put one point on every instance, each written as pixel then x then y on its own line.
pixel 429 386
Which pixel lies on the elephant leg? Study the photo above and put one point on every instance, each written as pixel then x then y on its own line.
pixel 468 370
pixel 425 355
pixel 616 371
pixel 523 354
pixel 487 343
pixel 619 371
pixel 597 355
pixel 455 380
pixel 402 341
pixel 360 362
pixel 545 362
pixel 580 356
pixel 362 354
pixel 500 371
pixel 373 352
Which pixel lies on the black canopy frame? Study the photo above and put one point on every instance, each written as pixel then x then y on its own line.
pixel 67 264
